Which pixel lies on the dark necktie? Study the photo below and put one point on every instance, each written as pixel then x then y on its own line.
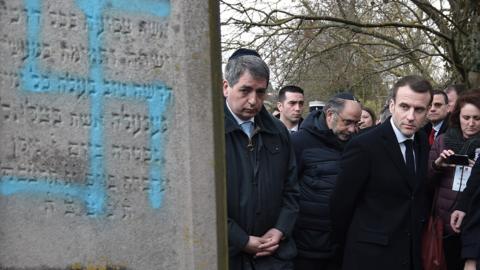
pixel 431 137
pixel 409 159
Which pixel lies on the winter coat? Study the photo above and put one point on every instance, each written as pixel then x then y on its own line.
pixel 262 190
pixel 442 178
pixel 378 209
pixel 318 153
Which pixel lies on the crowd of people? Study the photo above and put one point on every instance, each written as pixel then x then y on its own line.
pixel 341 189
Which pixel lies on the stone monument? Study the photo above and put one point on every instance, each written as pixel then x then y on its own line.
pixel 108 153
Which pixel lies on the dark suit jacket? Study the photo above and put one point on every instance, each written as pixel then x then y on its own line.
pixel 378 211
pixel 428 127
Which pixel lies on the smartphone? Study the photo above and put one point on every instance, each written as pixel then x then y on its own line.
pixel 458 160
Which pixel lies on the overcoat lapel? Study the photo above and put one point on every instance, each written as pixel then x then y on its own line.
pixel 393 149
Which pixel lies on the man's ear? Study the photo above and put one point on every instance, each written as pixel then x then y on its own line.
pixel 391 106
pixel 225 88
pixel 279 106
pixel 329 114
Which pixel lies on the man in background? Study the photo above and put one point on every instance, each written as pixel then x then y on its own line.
pixel 437 116
pixel 453 91
pixel 290 105
pixel 318 147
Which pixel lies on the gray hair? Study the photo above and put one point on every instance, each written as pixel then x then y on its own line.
pixel 335 104
pixel 237 66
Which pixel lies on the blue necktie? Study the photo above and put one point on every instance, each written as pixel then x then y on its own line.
pixel 247 127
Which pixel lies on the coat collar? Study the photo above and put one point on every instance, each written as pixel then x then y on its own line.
pixel 264 122
pixel 392 147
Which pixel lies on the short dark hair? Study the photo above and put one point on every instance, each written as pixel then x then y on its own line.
pixel 469 97
pixel 459 88
pixel 371 112
pixel 417 83
pixel 288 88
pixel 439 92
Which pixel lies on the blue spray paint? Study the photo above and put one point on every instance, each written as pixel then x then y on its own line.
pixel 156 95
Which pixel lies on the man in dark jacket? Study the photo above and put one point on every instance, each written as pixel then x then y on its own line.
pixel 290 105
pixel 378 204
pixel 262 188
pixel 318 147
pixel 437 116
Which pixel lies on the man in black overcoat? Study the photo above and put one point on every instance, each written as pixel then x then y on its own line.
pixel 378 206
pixel 262 188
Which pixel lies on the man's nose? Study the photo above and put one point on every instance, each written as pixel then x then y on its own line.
pixel 352 128
pixel 411 114
pixel 252 98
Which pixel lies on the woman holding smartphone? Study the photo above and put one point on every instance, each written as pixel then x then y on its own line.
pixel 448 178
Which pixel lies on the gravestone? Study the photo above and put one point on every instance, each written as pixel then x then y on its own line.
pixel 107 153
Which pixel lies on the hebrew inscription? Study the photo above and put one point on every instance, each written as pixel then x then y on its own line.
pixel 66 152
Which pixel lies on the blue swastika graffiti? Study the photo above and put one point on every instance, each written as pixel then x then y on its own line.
pixel 156 95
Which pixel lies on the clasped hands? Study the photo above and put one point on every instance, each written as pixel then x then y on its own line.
pixel 265 245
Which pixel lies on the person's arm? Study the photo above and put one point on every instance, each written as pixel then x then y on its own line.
pixel 237 237
pixel 353 176
pixel 298 143
pixel 435 151
pixel 289 211
pixel 469 203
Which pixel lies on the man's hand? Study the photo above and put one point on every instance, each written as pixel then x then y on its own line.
pixel 456 220
pixel 272 241
pixel 470 265
pixel 253 245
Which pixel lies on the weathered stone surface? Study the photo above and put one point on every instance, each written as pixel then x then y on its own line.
pixel 106 135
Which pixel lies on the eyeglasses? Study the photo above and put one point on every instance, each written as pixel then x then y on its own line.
pixel 348 122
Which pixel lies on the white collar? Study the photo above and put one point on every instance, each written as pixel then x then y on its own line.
pixel 295 128
pixel 400 137
pixel 437 126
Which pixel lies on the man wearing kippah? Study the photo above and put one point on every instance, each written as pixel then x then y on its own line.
pixel 318 147
pixel 262 189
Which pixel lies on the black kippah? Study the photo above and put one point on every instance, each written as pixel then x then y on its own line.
pixel 346 96
pixel 243 52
